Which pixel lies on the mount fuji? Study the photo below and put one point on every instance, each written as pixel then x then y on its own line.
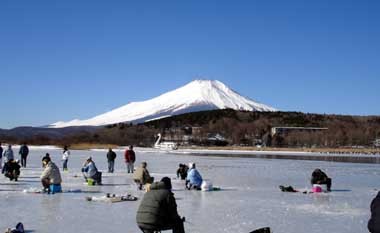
pixel 198 95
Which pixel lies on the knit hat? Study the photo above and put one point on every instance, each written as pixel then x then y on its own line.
pixel 168 183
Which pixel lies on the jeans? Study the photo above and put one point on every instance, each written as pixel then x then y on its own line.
pixel 23 160
pixel 130 167
pixel 111 165
pixel 65 164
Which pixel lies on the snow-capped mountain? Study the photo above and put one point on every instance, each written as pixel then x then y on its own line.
pixel 198 95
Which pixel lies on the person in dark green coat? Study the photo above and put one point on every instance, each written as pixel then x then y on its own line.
pixel 158 209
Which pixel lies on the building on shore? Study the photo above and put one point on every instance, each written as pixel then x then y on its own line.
pixel 286 130
pixel 376 143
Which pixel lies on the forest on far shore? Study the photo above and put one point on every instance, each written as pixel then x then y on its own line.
pixel 237 128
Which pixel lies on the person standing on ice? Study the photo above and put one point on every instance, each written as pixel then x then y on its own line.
pixel 8 155
pixel 111 156
pixel 1 156
pixel 65 158
pixel 194 178
pixel 23 152
pixel 158 209
pixel 130 158
pixel 374 221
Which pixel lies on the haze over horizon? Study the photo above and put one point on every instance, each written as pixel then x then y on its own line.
pixel 64 60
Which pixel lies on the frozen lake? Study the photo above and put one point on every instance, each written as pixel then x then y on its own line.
pixel 249 199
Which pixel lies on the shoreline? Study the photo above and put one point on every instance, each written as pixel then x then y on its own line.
pixel 342 158
pixel 334 151
pixel 345 155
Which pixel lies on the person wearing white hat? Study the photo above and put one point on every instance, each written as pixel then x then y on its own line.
pixel 91 171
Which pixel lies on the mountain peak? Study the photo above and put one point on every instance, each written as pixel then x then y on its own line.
pixel 198 95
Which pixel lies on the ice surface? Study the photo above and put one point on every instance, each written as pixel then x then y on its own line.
pixel 249 199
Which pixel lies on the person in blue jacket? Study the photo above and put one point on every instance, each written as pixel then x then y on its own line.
pixel 194 178
pixel 89 170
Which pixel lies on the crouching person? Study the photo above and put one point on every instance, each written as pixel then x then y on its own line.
pixel 91 172
pixel 194 178
pixel 12 169
pixel 319 177
pixel 158 209
pixel 141 176
pixel 182 171
pixel 50 177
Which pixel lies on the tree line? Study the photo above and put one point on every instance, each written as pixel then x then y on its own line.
pixel 243 128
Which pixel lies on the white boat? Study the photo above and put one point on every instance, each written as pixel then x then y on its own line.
pixel 165 145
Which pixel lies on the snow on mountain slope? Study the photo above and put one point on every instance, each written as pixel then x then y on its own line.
pixel 198 95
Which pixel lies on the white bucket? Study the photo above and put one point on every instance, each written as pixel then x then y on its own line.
pixel 206 185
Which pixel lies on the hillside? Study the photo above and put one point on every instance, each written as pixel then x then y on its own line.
pixel 244 128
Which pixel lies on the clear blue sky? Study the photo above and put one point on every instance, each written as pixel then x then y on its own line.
pixel 61 60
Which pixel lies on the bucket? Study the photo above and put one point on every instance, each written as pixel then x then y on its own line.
pixel 90 182
pixel 206 185
pixel 317 188
pixel 55 188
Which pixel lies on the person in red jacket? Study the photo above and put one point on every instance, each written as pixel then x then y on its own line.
pixel 130 158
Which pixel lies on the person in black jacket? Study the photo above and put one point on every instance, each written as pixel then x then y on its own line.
pixel 319 177
pixel 1 156
pixel 111 156
pixel 12 169
pixel 158 209
pixel 182 171
pixel 374 221
pixel 23 152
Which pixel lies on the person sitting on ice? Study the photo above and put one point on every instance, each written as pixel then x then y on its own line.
pixel 319 177
pixel 12 169
pixel 182 171
pixel 194 178
pixel 51 176
pixel 18 229
pixel 158 209
pixel 91 172
pixel 141 176
pixel 374 221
